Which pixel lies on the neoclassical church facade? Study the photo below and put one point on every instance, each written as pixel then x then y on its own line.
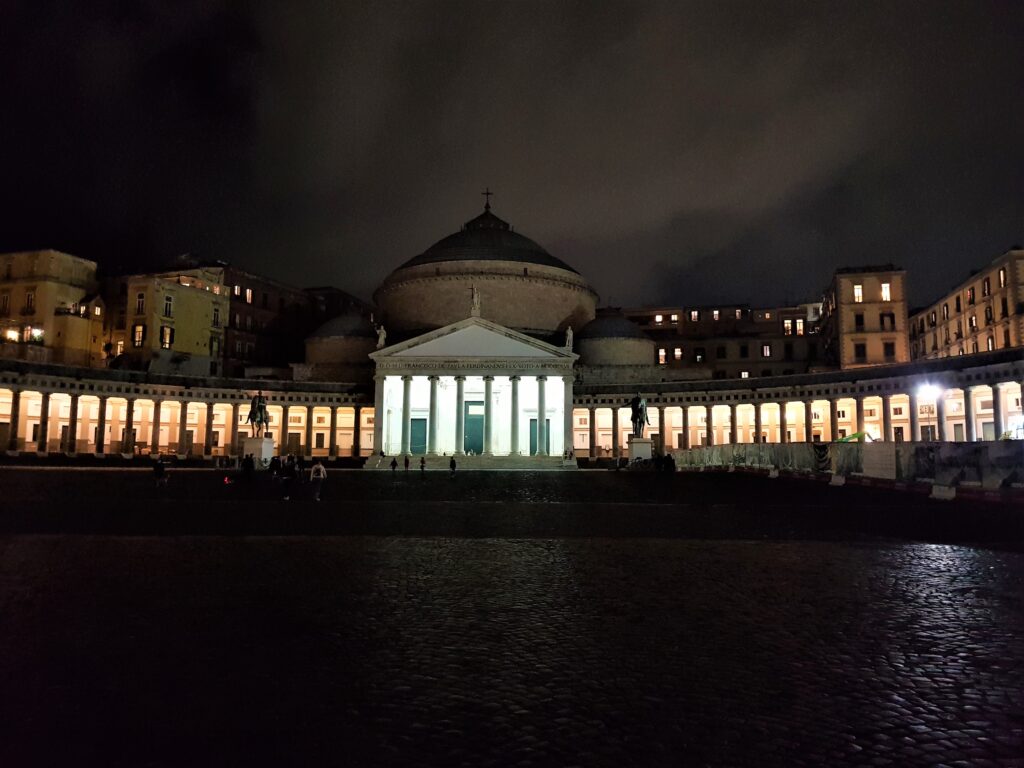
pixel 488 347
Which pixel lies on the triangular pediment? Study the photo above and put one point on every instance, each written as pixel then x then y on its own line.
pixel 474 338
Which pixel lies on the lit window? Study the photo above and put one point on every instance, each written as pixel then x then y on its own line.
pixel 166 336
pixel 766 350
pixel 661 356
pixel 744 374
pixel 138 335
pixel 767 315
pixel 120 347
pixel 714 314
pixel 97 311
pixel 990 343
pixel 674 318
pixel 886 292
pixel 787 327
pixel 30 301
pixel 986 287
pixel 1002 277
pixel 238 290
pixel 248 295
pixel 799 327
pixel 140 303
pixel 858 293
pixel 694 315
pixel 678 353
pixel 658 318
pixel 12 334
pixel 945 311
pixel 216 290
pixel 739 314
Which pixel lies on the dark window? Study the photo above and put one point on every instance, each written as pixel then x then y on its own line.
pixel 1004 308
pixel 988 315
pixel 720 353
pixel 889 350
pixel 812 351
pixel 957 304
pixel 744 351
pixel 698 354
pixel 1006 337
pixel 787 351
pixel 860 352
pixel 719 374
pixel 766 372
pixel 858 321
pixel 266 300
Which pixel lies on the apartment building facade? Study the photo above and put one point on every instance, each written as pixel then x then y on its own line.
pixel 864 317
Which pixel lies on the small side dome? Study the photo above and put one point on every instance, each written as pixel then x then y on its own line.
pixel 613 339
pixel 347 325
pixel 611 324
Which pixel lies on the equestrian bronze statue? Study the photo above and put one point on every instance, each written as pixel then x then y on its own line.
pixel 259 417
pixel 638 406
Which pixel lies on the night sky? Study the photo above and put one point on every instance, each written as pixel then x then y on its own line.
pixel 675 153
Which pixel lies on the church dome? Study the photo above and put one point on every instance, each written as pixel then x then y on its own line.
pixel 487 238
pixel 520 284
pixel 613 339
pixel 611 324
pixel 349 324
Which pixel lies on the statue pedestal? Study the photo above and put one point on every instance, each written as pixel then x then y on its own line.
pixel 261 448
pixel 639 448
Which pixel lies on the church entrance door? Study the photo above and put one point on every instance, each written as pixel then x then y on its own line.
pixel 418 437
pixel 533 437
pixel 474 440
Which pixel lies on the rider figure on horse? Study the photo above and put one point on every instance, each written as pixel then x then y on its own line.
pixel 258 416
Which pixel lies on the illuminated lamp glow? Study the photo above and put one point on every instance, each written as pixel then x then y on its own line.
pixel 12 335
pixel 929 392
pixel 37 333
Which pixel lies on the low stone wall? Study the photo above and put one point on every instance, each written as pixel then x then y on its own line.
pixel 989 465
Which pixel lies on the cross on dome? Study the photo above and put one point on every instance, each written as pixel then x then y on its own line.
pixel 487 198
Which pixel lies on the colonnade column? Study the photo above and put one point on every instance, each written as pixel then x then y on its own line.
pixel 809 421
pixel 460 415
pixel 44 423
pixel 616 452
pixel 659 411
pixel 432 418
pixel 406 412
pixel 182 425
pixel 307 447
pixel 208 431
pixel 128 444
pixel 783 427
pixel 757 423
pixel 997 410
pixel 378 415
pixel 101 425
pixel 332 438
pixel 282 438
pixel 592 434
pixel 887 418
pixel 232 430
pixel 357 430
pixel 709 425
pixel 686 426
pixel 568 441
pixel 488 414
pixel 154 438
pixel 72 444
pixel 12 439
pixel 833 418
pixel 940 416
pixel 915 432
pixel 542 413
pixel 859 427
pixel 515 415
pixel 970 425
pixel 734 427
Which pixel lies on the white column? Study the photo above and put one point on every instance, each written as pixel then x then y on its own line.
pixel 12 441
pixel 940 415
pixel 970 422
pixel 592 432
pixel 809 421
pixel 783 426
pixel 860 417
pixel 709 424
pixel 915 432
pixel 332 439
pixel 514 446
pixel 997 410
pixel 542 412
pixel 378 414
pixel 154 438
pixel 406 412
pixel 44 424
pixel 460 415
pixel 432 418
pixel 615 431
pixel 488 415
pixel 887 418
pixel 72 446
pixel 734 427
pixel 686 426
pixel 757 423
pixel 208 432
pixel 307 449
pixel 567 429
pixel 182 425
pixel 833 418
pixel 101 424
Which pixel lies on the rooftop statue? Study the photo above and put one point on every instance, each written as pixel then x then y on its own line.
pixel 381 336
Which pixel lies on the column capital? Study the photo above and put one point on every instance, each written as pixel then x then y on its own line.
pixel 433 377
pixel 542 378
pixel 406 377
pixel 516 377
pixel 488 377
pixel 460 378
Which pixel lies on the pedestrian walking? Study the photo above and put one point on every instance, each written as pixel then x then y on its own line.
pixel 423 463
pixel 394 464
pixel 317 475
pixel 406 462
pixel 159 473
pixel 451 466
pixel 288 472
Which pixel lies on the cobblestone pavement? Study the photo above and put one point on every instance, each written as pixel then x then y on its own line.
pixel 401 651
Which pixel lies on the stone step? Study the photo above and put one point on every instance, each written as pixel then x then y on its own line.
pixel 476 463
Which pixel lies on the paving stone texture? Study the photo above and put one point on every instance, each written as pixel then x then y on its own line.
pixel 407 650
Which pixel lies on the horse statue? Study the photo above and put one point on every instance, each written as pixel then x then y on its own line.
pixel 638 406
pixel 259 417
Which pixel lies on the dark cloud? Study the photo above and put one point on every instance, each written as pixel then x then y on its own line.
pixel 714 151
